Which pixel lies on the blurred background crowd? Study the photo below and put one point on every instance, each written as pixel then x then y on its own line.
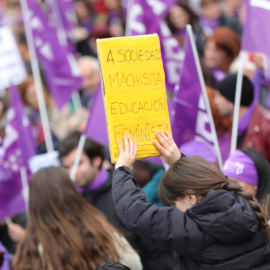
pixel 217 28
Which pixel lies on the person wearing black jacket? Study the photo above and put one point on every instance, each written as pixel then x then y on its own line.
pixel 208 222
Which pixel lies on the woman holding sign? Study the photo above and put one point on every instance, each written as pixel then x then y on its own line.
pixel 208 221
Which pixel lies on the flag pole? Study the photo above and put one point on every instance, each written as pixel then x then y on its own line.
pixel 63 38
pixel 37 77
pixel 202 83
pixel 25 190
pixel 237 100
pixel 78 157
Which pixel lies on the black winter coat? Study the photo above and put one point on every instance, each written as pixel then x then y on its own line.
pixel 220 232
pixel 102 199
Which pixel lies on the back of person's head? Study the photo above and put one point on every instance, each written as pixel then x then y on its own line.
pixel 112 266
pixel 73 234
pixel 227 88
pixel 91 148
pixel 194 176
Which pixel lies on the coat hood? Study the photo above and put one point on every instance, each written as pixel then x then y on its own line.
pixel 225 216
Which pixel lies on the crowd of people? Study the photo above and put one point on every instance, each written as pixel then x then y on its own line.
pixel 136 214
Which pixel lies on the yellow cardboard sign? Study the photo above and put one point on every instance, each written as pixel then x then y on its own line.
pixel 134 91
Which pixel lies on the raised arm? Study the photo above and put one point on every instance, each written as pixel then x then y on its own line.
pixel 166 226
pixel 168 148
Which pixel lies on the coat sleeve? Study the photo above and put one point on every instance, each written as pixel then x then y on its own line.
pixel 166 226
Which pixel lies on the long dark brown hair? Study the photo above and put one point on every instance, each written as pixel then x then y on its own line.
pixel 74 235
pixel 195 176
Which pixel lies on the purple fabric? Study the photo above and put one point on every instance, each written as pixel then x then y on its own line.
pixel 256 34
pixel 99 181
pixel 67 13
pixel 18 147
pixel 241 167
pixel 208 25
pixel 244 122
pixel 5 265
pixel 58 61
pixel 97 126
pixel 114 17
pixel 224 141
pixel 190 119
pixel 181 32
pixel 63 17
pixel 196 148
pixel 218 75
pixel 146 17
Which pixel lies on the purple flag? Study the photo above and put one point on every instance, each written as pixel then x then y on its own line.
pixel 96 127
pixel 190 119
pixel 146 17
pixel 18 147
pixel 256 34
pixel 67 12
pixel 60 66
pixel 63 17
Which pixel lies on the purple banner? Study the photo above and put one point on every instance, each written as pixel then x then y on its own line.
pixel 63 18
pixel 189 119
pixel 256 34
pixel 146 17
pixel 18 147
pixel 60 66
pixel 67 13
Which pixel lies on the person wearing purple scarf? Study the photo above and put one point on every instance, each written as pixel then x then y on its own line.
pixel 254 120
pixel 91 180
pixel 251 171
